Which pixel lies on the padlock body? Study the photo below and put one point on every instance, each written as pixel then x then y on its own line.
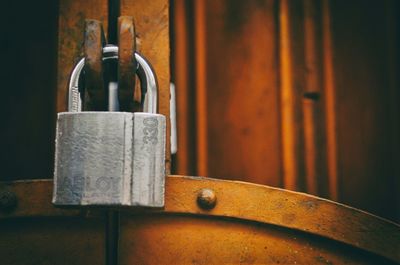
pixel 109 158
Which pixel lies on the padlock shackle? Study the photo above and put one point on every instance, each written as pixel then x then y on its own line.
pixel 145 72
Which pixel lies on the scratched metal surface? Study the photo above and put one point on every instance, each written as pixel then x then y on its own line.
pixel 110 158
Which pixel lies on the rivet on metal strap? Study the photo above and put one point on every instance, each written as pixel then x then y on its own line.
pixel 206 199
pixel 8 201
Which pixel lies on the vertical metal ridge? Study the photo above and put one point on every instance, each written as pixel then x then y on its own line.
pixel 181 28
pixel 201 87
pixel 290 85
pixel 329 86
pixel 313 145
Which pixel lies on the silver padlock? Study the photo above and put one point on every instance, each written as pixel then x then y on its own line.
pixel 111 158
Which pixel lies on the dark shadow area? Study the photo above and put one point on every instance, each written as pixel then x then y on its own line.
pixel 28 84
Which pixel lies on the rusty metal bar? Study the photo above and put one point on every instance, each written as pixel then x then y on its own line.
pixel 95 94
pixel 126 62
pixel 232 201
pixel 201 91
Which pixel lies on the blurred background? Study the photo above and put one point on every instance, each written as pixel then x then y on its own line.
pixel 297 94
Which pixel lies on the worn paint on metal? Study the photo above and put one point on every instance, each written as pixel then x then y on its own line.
pixel 271 223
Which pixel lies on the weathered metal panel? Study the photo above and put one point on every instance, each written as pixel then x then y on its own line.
pixel 247 223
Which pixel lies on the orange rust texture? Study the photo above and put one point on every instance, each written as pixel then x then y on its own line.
pixel 292 85
pixel 288 209
pixel 72 15
pixel 201 86
pixel 237 126
pixel 314 135
pixel 243 121
pixel 250 222
pixel 152 29
pixel 291 93
pixel 95 94
pixel 126 62
pixel 182 78
pixel 193 240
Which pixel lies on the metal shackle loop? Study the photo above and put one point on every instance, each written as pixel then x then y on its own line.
pixel 144 70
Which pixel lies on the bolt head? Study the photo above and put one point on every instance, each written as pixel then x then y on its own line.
pixel 206 199
pixel 8 200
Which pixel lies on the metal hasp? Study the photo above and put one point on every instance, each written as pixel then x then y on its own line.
pixel 111 158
